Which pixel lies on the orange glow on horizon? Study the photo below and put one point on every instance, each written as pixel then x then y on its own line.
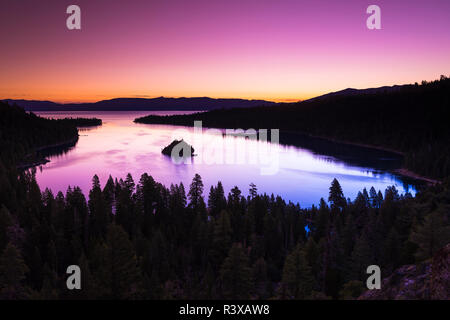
pixel 233 49
pixel 91 99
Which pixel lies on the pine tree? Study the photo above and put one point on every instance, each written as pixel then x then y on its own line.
pixel 125 205
pixel 260 279
pixel 49 287
pixel 312 255
pixel 36 266
pixel 221 238
pixel 236 275
pixel 5 223
pixel 98 210
pixel 12 274
pixel 321 221
pixel 351 290
pixel 52 256
pixel 88 282
pixel 430 236
pixel 207 289
pixel 253 191
pixel 234 198
pixel 108 193
pixel 336 196
pixel 391 250
pixel 379 199
pixel 361 258
pixel 216 200
pixel 120 266
pixel 196 192
pixel 129 184
pixel 373 197
pixel 159 254
pixel 297 280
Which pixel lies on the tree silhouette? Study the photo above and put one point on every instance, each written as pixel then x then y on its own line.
pixel 12 274
pixel 236 275
pixel 430 236
pixel 336 196
pixel 297 278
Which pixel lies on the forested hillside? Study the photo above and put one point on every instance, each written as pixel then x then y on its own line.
pixel 145 241
pixel 21 133
pixel 411 119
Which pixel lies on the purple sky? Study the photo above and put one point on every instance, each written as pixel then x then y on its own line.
pixel 269 49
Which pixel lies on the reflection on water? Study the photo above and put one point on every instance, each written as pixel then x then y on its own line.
pixel 120 146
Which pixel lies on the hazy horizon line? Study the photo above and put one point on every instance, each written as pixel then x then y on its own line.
pixel 276 100
pixel 64 102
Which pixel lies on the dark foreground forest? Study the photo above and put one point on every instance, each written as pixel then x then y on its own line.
pixel 411 119
pixel 142 240
pixel 145 241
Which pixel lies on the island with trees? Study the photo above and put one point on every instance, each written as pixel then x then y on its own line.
pixel 180 145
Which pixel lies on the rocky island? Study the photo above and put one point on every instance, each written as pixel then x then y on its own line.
pixel 181 145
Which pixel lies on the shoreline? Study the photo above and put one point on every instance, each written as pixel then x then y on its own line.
pixel 357 144
pixel 42 160
pixel 410 174
pixel 58 145
pixel 405 172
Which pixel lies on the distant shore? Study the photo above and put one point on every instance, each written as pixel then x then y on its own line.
pixel 401 171
pixel 357 144
pixel 42 160
pixel 408 173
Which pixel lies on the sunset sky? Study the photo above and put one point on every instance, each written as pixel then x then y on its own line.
pixel 262 49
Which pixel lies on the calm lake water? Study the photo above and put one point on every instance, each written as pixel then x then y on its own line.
pixel 297 174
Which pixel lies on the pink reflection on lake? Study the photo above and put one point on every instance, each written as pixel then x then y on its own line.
pixel 120 146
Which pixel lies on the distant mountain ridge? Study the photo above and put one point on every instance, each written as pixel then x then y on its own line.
pixel 189 104
pixel 142 104
pixel 353 92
